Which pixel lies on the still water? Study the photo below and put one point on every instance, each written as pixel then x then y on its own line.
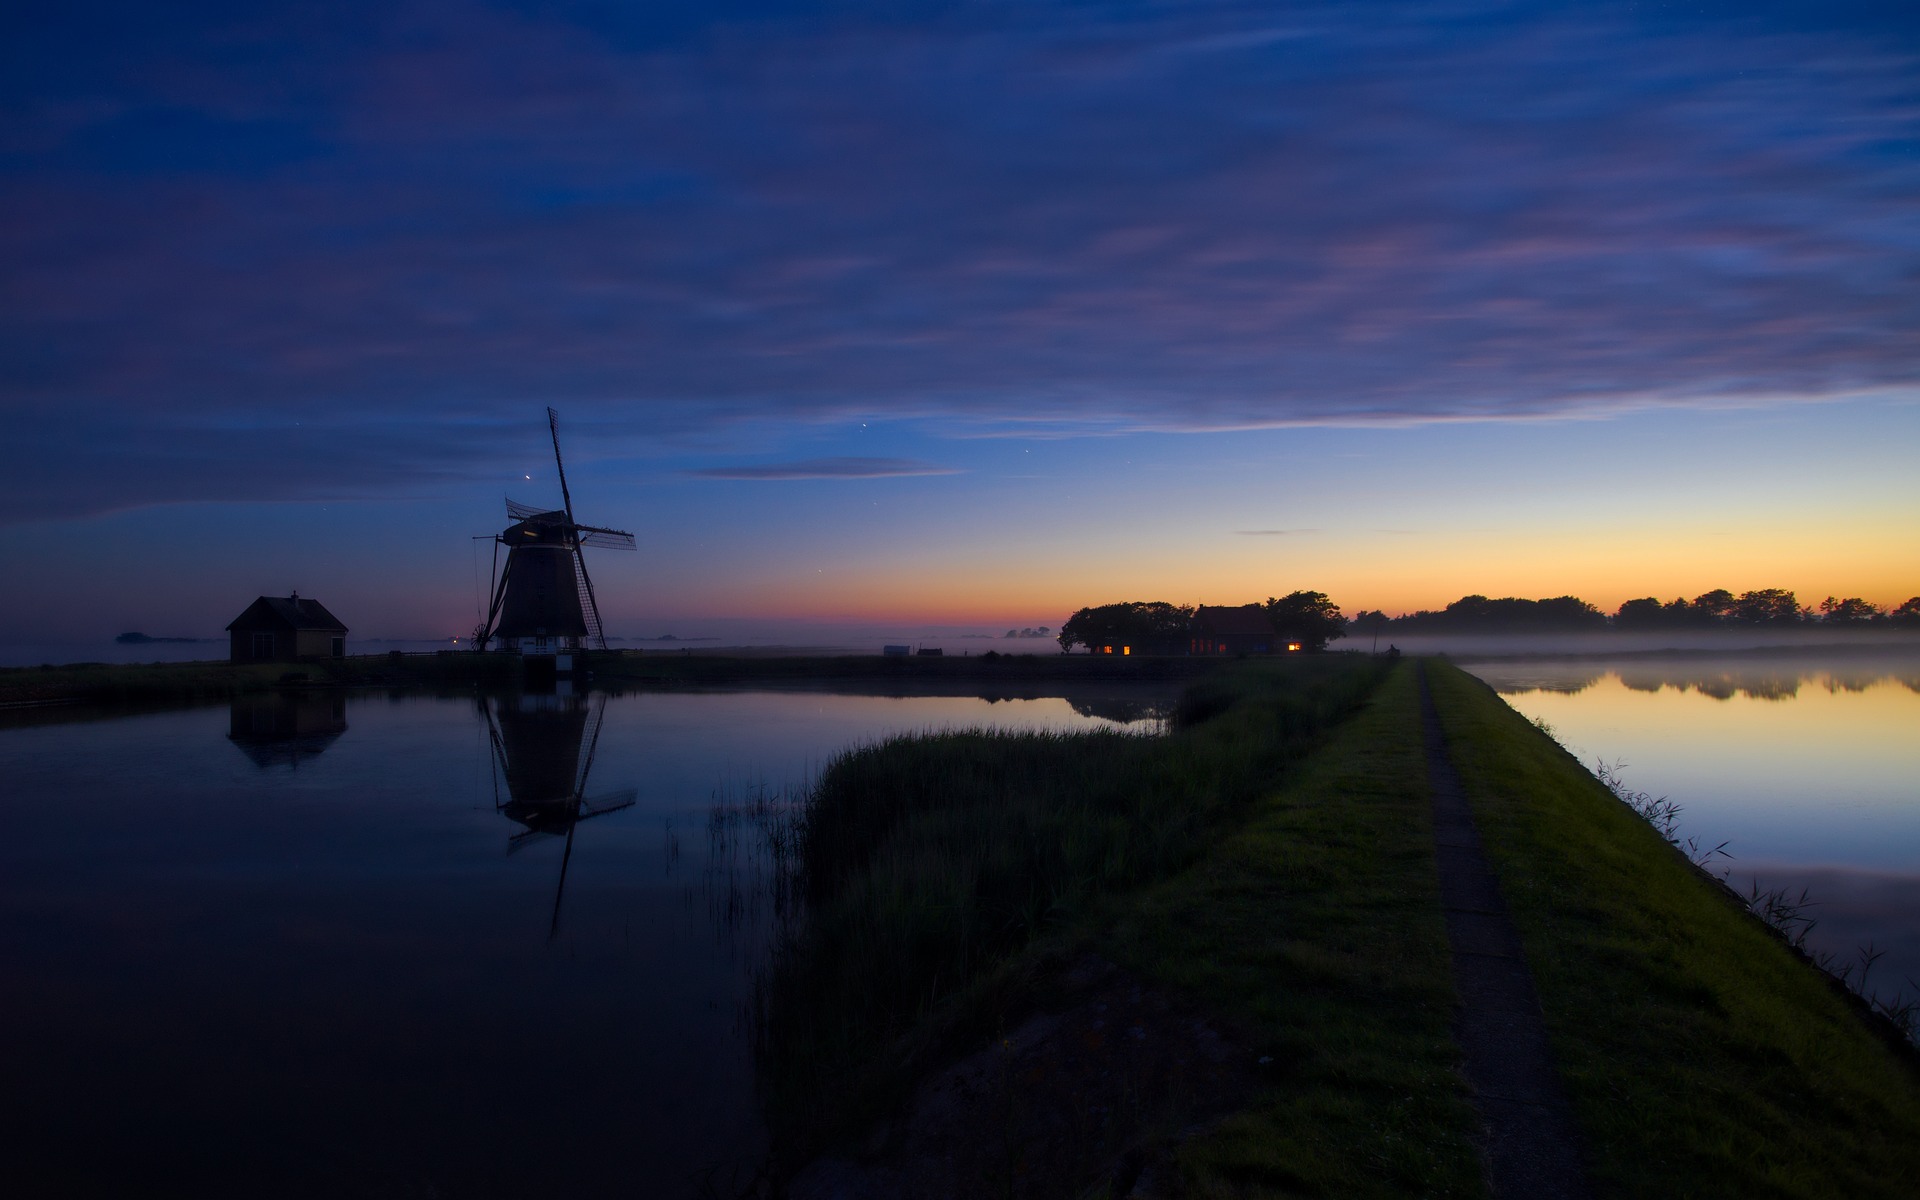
pixel 1808 768
pixel 410 947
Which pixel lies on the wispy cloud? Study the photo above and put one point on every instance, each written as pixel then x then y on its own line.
pixel 828 468
pixel 1059 218
pixel 1273 532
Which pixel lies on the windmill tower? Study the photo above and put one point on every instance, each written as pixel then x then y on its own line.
pixel 543 599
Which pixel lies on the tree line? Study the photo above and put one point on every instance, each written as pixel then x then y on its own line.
pixel 1156 627
pixel 1314 620
pixel 1717 609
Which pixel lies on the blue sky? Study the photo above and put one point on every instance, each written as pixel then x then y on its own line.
pixel 957 312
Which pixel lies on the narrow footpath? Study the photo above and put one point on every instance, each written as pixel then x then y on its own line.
pixel 1532 1148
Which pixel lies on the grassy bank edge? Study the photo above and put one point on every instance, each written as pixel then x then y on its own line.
pixel 1701 1056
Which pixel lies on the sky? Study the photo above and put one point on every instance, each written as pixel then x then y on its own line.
pixel 958 314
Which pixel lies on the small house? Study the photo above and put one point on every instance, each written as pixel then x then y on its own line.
pixel 1236 629
pixel 284 628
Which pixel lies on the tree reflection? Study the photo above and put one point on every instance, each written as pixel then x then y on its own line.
pixel 1719 680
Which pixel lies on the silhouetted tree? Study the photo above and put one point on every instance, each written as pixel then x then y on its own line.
pixel 1647 613
pixel 1509 614
pixel 1716 605
pixel 1766 606
pixel 1154 627
pixel 1310 618
pixel 1907 616
pixel 1851 611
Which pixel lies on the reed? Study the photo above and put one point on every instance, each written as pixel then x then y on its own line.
pixel 922 863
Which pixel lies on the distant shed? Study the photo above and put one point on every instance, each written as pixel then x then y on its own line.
pixel 284 628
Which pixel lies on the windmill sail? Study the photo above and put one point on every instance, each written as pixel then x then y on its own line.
pixel 543 599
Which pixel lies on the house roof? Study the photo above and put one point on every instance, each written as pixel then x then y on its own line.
pixel 1241 618
pixel 293 611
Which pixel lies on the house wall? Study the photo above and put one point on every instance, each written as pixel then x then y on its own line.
pixel 315 643
pixel 1232 643
pixel 281 645
pixel 244 648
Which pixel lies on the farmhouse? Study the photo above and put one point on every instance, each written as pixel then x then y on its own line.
pixel 1238 629
pixel 277 628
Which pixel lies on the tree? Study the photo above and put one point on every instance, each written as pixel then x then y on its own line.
pixel 1713 606
pixel 1766 606
pixel 1907 615
pixel 1152 627
pixel 1647 613
pixel 1851 611
pixel 1310 618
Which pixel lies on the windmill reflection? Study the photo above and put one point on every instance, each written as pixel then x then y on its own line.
pixel 285 729
pixel 537 741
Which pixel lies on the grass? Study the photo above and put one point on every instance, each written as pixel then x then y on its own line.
pixel 1316 927
pixel 163 683
pixel 927 863
pixel 1701 1056
pixel 169 683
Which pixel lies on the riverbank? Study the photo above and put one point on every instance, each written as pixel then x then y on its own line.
pixel 143 684
pixel 1277 1016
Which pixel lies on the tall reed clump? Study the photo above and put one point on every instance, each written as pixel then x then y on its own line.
pixel 925 861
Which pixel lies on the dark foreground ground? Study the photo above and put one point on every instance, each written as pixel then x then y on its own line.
pixel 1317 1005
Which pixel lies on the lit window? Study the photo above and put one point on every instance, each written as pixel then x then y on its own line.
pixel 1291 646
pixel 1124 650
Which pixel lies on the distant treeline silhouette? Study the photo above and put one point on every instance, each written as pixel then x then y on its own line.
pixel 1311 619
pixel 1768 608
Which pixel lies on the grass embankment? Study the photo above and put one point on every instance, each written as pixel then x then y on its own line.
pixel 1308 918
pixel 1701 1056
pixel 187 682
pixel 1316 927
pixel 138 684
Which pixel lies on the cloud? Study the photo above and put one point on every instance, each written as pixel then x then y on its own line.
pixel 828 468
pixel 1273 532
pixel 1049 217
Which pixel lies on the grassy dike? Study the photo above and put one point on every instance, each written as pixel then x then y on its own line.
pixel 1292 893
pixel 1315 926
pixel 1270 864
pixel 1701 1056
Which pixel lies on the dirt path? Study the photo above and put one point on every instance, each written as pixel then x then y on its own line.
pixel 1532 1148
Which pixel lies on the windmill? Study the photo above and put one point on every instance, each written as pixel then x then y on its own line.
pixel 536 748
pixel 543 598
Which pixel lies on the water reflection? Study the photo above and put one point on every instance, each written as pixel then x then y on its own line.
pixel 285 729
pixel 536 742
pixel 1807 766
pixel 225 980
pixel 1717 680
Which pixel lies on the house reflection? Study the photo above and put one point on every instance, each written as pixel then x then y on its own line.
pixel 286 728
pixel 542 749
